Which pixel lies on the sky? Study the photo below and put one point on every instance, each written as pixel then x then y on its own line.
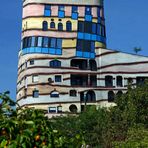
pixel 126 28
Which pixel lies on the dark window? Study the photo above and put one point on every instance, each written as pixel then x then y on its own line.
pixel 90 96
pixel 79 63
pixel 29 39
pixel 93 80
pixel 80 26
pixel 88 27
pixel 111 96
pixel 140 80
pixel 98 29
pixel 119 81
pixel 59 43
pixel 31 62
pixel 25 43
pixel 85 45
pixel 54 94
pixel 103 31
pixel 73 108
pixel 45 42
pixel 94 28
pixel 108 81
pixel 61 8
pixel 52 25
pixel 55 63
pixel 58 78
pixel 35 94
pixel 73 93
pixel 53 43
pixel 68 26
pixel 47 7
pixel 60 26
pixel 98 11
pixel 88 10
pixel 74 9
pixel 93 65
pixel 45 26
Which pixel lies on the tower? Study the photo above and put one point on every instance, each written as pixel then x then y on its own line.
pixel 57 68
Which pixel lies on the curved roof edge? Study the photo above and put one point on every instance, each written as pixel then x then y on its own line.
pixel 73 2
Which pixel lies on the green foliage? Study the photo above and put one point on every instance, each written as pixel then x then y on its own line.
pixel 124 125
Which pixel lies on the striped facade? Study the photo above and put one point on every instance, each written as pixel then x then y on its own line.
pixel 63 61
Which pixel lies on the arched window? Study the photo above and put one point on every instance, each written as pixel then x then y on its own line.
pixel 111 96
pixel 90 96
pixel 45 26
pixel 73 108
pixel 119 81
pixel 73 93
pixel 68 26
pixel 93 65
pixel 52 25
pixel 55 63
pixel 54 94
pixel 108 81
pixel 60 26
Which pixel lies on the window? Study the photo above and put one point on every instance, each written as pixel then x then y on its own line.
pixel 85 45
pixel 54 94
pixel 55 63
pixel 45 26
pixel 33 42
pixel 52 109
pixel 119 81
pixel 60 26
pixel 59 43
pixel 73 108
pixel 90 96
pixel 35 78
pixel 58 78
pixel 108 81
pixel 61 13
pixel 31 62
pixel 45 42
pixel 93 65
pixel 111 96
pixel 68 26
pixel 88 10
pixel 35 94
pixel 74 9
pixel 73 93
pixel 39 44
pixel 61 8
pixel 47 11
pixel 59 109
pixel 98 11
pixel 53 43
pixel 74 12
pixel 52 25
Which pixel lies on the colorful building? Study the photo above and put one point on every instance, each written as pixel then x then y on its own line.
pixel 63 61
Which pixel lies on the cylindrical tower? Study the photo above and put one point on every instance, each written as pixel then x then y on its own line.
pixel 57 69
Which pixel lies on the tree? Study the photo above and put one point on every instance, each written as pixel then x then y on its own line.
pixel 136 50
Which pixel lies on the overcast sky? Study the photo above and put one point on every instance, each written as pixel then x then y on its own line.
pixel 126 25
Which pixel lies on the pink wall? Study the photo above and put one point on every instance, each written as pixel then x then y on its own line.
pixel 49 34
pixel 33 10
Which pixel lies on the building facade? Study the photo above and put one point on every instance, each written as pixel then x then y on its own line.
pixel 63 61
